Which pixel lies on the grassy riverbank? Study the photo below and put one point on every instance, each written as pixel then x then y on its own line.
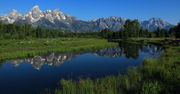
pixel 27 48
pixel 155 76
pixel 144 39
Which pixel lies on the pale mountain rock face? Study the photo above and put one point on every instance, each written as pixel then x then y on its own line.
pixel 34 14
pixel 154 23
pixel 11 17
pixel 13 14
pixel 56 19
pixel 114 23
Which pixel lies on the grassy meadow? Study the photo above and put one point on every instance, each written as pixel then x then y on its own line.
pixel 10 49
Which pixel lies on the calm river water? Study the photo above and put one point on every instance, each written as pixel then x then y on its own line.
pixel 34 75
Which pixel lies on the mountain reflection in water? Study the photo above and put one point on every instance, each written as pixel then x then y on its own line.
pixel 133 52
pixel 57 59
pixel 50 59
pixel 34 75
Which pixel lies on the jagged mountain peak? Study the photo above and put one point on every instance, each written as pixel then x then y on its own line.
pixel 109 18
pixel 13 11
pixel 56 19
pixel 35 10
pixel 56 12
pixel 13 14
pixel 113 23
pixel 33 15
pixel 157 20
pixel 154 23
pixel 154 18
pixel 11 17
pixel 36 7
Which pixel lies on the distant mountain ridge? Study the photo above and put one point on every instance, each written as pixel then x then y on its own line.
pixel 116 23
pixel 56 19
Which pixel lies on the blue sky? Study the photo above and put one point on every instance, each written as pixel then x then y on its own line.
pixel 91 9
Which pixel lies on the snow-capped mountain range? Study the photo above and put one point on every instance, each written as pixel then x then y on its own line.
pixel 34 15
pixel 56 19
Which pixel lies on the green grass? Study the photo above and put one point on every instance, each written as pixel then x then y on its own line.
pixel 151 39
pixel 155 76
pixel 145 39
pixel 10 49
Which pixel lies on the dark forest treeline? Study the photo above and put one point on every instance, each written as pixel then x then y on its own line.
pixel 24 31
pixel 131 29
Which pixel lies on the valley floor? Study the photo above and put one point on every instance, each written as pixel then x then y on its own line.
pixel 10 49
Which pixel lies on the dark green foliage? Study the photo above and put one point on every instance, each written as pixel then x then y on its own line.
pixel 175 31
pixel 131 50
pixel 24 31
pixel 161 33
pixel 106 33
pixel 131 28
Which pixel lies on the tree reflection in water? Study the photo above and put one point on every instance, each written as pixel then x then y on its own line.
pixel 125 49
